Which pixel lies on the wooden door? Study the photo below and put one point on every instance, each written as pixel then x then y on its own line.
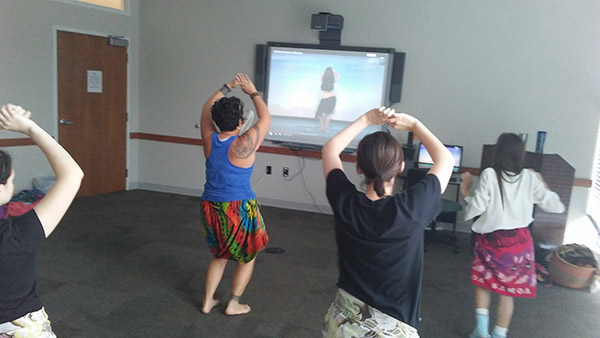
pixel 92 109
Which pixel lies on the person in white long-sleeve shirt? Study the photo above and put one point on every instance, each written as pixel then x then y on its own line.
pixel 502 204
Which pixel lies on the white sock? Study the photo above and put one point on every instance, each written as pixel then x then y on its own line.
pixel 482 321
pixel 499 332
pixel 482 311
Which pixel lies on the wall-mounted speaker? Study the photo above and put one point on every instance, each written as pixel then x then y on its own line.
pixel 260 66
pixel 397 76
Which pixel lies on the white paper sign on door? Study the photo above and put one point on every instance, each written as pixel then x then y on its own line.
pixel 94 81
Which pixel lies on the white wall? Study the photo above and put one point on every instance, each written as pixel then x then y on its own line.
pixel 28 66
pixel 473 69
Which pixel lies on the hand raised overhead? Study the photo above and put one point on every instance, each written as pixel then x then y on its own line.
pixel 246 84
pixel 15 118
pixel 400 121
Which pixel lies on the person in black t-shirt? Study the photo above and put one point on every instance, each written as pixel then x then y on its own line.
pixel 379 234
pixel 21 311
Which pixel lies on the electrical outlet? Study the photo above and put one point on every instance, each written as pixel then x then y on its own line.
pixel 286 171
pixel 268 170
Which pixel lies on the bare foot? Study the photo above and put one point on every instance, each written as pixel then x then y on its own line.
pixel 207 306
pixel 235 308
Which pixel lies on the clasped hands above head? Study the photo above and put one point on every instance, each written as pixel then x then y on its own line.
pixel 388 115
pixel 14 117
pixel 15 109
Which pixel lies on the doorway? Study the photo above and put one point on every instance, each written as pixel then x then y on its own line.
pixel 92 109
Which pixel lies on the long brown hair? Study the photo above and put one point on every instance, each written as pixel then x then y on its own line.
pixel 379 157
pixel 508 158
pixel 328 79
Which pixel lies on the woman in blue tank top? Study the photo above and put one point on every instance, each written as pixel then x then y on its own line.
pixel 231 220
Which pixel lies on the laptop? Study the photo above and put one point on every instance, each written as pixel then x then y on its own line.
pixel 424 160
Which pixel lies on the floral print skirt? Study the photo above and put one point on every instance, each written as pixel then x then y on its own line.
pixel 504 262
pixel 349 317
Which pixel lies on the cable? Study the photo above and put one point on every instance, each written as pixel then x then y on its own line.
pixel 301 172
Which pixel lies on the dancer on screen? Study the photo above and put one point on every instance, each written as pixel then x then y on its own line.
pixel 328 98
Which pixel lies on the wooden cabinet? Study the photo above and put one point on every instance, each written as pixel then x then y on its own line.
pixel 548 229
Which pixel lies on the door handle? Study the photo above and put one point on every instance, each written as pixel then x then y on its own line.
pixel 64 122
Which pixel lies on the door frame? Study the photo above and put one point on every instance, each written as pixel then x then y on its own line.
pixel 55 30
pixel 127 10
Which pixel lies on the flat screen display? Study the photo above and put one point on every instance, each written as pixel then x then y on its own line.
pixel 424 158
pixel 313 92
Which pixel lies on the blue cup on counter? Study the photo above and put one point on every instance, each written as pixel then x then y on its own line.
pixel 539 144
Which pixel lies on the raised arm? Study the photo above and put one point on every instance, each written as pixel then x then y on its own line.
pixel 54 205
pixel 336 75
pixel 330 154
pixel 443 161
pixel 207 126
pixel 245 147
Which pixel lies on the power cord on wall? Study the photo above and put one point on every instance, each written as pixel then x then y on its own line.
pixel 301 173
pixel 288 179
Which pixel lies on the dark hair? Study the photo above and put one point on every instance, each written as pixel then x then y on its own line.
pixel 227 113
pixel 328 79
pixel 379 157
pixel 5 166
pixel 508 157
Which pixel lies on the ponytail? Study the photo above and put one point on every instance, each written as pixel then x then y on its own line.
pixel 378 186
pixel 380 158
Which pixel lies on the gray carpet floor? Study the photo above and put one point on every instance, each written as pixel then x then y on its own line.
pixel 132 264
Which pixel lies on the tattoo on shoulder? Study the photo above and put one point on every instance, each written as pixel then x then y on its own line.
pixel 247 144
